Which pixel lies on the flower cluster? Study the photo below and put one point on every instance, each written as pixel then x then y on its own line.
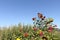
pixel 41 29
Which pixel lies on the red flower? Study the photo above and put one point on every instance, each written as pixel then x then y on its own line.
pixel 33 19
pixel 34 28
pixel 40 15
pixel 26 34
pixel 41 34
pixel 50 29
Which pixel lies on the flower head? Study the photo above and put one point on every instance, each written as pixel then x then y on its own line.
pixel 39 31
pixel 26 34
pixel 34 28
pixel 18 39
pixel 41 34
pixel 50 29
pixel 55 26
pixel 51 20
pixel 33 19
pixel 40 15
pixel 43 18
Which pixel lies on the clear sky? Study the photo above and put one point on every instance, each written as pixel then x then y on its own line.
pixel 15 11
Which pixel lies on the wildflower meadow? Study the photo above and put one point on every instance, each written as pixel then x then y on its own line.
pixel 42 29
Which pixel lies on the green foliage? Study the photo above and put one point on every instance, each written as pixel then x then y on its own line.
pixel 13 33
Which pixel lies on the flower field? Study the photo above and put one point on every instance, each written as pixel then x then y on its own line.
pixel 42 29
pixel 27 33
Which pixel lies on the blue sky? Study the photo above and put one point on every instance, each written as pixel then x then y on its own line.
pixel 15 11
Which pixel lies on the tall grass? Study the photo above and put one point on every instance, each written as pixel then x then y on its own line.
pixel 15 31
